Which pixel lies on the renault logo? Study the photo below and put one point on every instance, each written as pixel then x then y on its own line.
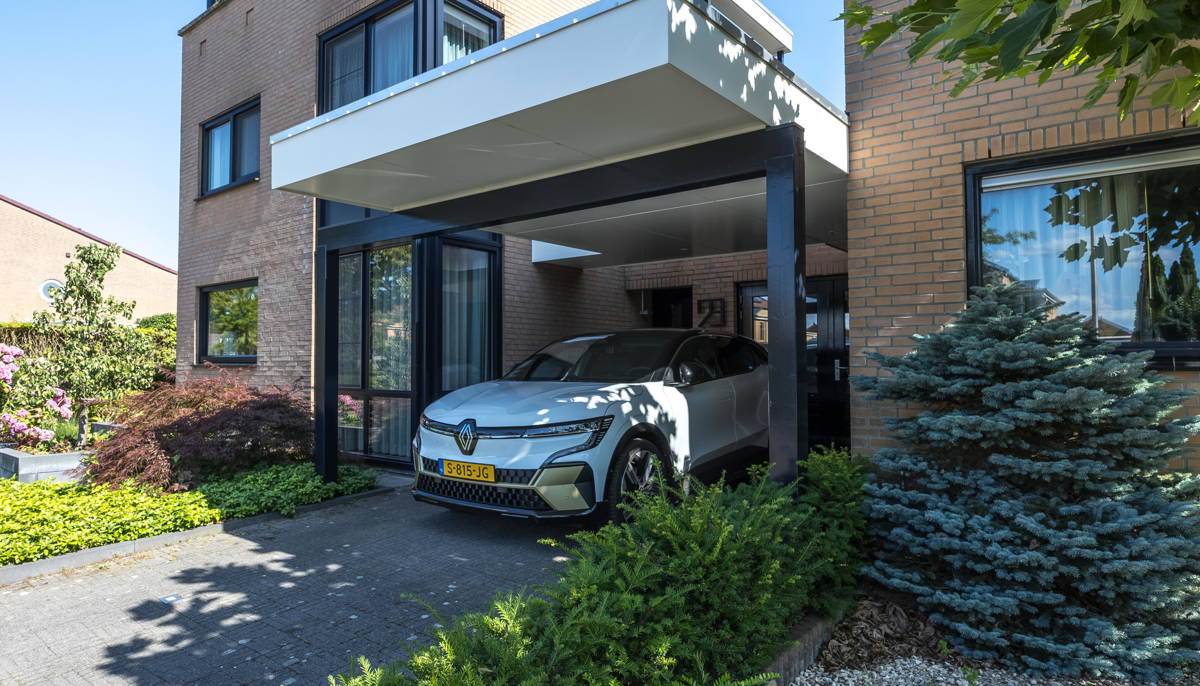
pixel 466 437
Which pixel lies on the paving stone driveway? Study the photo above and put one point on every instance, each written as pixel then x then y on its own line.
pixel 285 602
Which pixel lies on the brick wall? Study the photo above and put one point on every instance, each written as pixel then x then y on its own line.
pixel 544 302
pixel 42 255
pixel 719 276
pixel 909 142
pixel 239 50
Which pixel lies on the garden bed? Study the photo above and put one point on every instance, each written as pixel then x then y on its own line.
pixel 29 467
pixel 47 518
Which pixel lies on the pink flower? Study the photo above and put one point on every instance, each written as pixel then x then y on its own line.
pixel 22 413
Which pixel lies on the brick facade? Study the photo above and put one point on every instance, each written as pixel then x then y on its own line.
pixel 909 143
pixel 44 245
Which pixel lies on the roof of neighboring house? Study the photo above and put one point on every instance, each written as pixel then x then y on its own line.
pixel 85 234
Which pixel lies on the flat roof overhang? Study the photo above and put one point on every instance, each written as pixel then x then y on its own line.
pixel 616 80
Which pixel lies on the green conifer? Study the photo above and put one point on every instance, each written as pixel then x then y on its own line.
pixel 1031 511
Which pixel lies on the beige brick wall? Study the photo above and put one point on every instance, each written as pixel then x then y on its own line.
pixel 909 143
pixel 37 250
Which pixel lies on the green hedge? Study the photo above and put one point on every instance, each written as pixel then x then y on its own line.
pixel 35 344
pixel 698 589
pixel 46 518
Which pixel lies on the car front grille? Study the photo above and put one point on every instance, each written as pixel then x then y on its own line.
pixel 484 494
pixel 504 476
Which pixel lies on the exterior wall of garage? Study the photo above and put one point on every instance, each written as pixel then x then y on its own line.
pixel 910 143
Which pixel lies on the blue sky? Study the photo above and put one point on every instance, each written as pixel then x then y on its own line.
pixel 89 108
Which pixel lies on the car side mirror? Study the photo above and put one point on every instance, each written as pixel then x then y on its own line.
pixel 690 374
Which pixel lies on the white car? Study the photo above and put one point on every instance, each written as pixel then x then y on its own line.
pixel 580 424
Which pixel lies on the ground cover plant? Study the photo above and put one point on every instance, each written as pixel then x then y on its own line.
pixel 47 518
pixel 217 425
pixel 1032 513
pixel 697 588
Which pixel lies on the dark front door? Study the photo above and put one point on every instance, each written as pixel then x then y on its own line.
pixel 671 308
pixel 826 332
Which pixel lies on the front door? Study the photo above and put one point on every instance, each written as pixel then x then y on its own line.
pixel 826 329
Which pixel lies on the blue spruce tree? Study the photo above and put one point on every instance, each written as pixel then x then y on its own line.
pixel 1032 513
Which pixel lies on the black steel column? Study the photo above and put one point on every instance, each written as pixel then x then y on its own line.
pixel 325 354
pixel 787 346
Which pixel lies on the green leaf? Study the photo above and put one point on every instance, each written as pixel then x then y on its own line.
pixel 1134 10
pixel 1075 251
pixel 1128 92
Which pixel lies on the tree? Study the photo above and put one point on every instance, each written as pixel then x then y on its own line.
pixel 1030 511
pixel 98 356
pixel 1135 41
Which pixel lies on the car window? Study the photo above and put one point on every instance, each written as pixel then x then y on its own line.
pixel 702 352
pixel 738 356
pixel 624 357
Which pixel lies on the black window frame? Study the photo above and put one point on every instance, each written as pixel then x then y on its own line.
pixel 202 355
pixel 1168 355
pixel 230 116
pixel 428 31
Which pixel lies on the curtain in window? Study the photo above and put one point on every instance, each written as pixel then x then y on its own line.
pixel 1104 247
pixel 220 152
pixel 246 127
pixel 466 317
pixel 344 68
pixel 464 34
pixel 392 49
pixel 390 433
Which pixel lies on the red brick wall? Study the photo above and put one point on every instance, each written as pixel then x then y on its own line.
pixel 909 142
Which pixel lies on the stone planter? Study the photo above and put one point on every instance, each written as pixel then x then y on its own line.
pixel 105 427
pixel 27 467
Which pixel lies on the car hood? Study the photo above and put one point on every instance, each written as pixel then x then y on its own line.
pixel 529 403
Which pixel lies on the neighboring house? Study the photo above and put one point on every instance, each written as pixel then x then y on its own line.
pixel 38 247
pixel 482 178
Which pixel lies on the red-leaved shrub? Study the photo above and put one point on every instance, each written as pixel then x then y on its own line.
pixel 220 424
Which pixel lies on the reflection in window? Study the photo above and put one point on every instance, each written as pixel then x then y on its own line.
pixel 466 317
pixel 350 320
pixel 391 318
pixel 351 415
pixel 464 34
pixel 1118 249
pixel 231 321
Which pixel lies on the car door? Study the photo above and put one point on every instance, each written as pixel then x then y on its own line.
pixel 708 406
pixel 744 363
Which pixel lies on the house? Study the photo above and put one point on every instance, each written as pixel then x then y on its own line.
pixel 37 248
pixel 411 196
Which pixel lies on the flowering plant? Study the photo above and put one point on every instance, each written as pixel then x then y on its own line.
pixel 28 403
pixel 350 411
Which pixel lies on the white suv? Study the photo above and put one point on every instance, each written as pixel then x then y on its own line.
pixel 581 423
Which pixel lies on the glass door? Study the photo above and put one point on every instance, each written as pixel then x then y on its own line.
pixel 827 351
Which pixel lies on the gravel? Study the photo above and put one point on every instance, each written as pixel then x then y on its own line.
pixel 915 671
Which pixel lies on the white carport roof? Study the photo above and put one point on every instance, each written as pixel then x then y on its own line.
pixel 615 80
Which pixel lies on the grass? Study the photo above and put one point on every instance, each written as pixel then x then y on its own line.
pixel 45 518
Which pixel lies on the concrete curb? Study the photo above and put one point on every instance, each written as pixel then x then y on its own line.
pixel 807 640
pixel 10 574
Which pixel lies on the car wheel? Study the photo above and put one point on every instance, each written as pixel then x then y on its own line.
pixel 634 469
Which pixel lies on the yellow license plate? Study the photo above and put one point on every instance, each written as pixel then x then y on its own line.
pixel 468 470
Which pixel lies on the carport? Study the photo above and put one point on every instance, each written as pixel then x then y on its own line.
pixel 629 131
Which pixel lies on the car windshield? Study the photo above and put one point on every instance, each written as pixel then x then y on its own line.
pixel 624 357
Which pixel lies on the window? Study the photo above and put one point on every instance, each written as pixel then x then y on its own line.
pixel 369 56
pixel 466 316
pixel 230 149
pixel 739 356
pixel 48 288
pixel 463 33
pixel 229 323
pixel 380 48
pixel 1114 240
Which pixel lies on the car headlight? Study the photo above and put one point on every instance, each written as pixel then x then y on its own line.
pixel 593 428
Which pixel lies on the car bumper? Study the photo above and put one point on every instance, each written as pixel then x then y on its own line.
pixel 565 490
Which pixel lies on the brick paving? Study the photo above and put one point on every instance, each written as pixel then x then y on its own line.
pixel 284 602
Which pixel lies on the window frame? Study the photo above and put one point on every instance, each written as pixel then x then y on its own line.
pixel 229 116
pixel 428 34
pixel 202 355
pixel 1168 355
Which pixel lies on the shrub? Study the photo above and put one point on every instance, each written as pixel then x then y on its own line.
pixel 158 365
pixel 692 587
pixel 218 425
pixel 45 518
pixel 158 322
pixel 280 488
pixel 1030 512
